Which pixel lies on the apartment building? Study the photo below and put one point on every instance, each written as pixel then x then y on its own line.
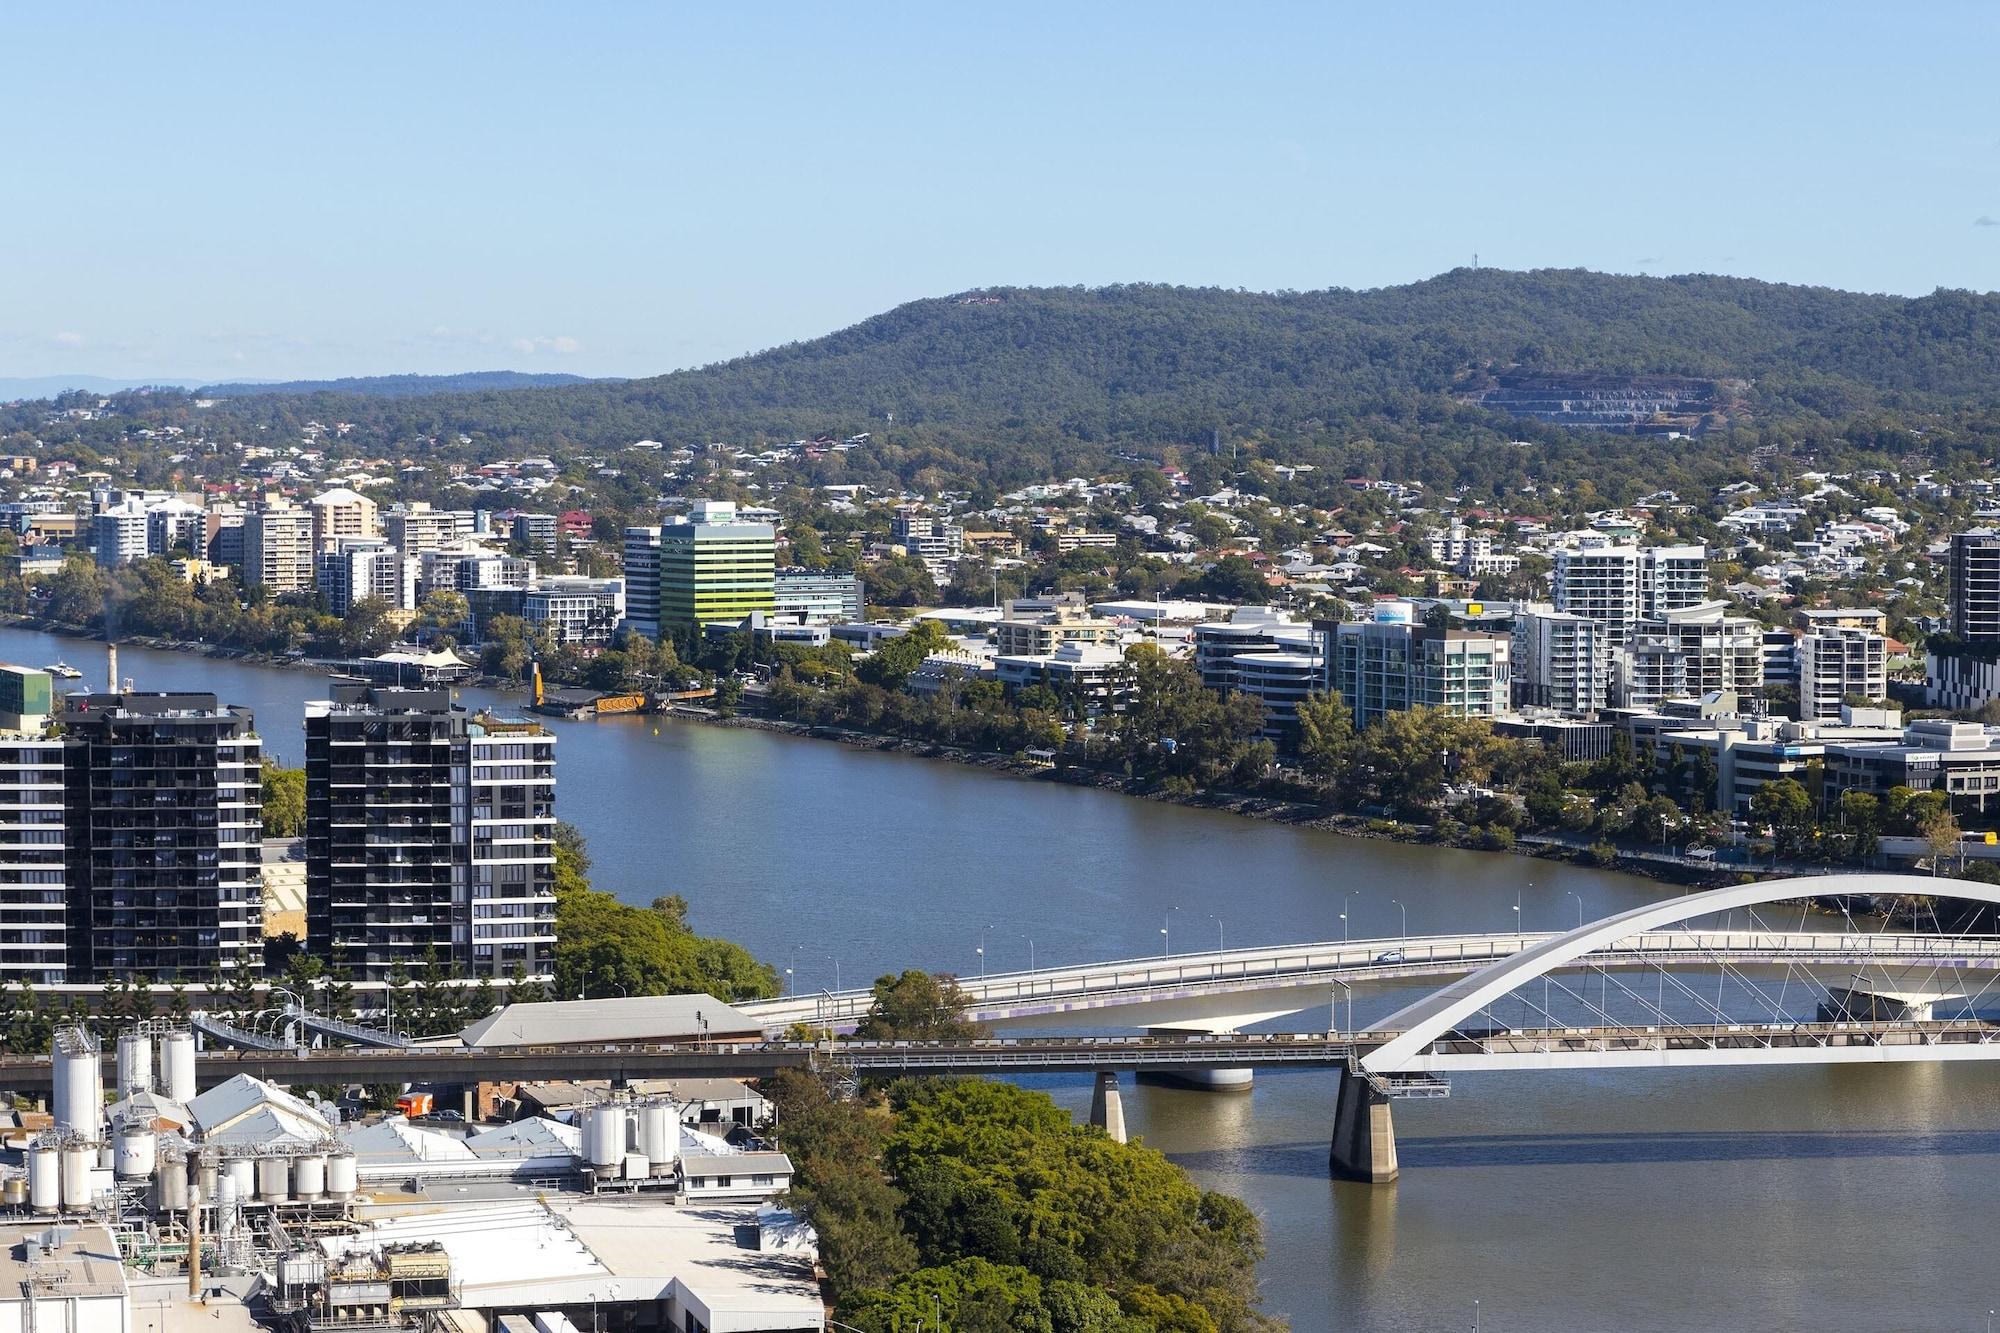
pixel 428 833
pixel 935 540
pixel 34 879
pixel 642 581
pixel 164 829
pixel 1387 666
pixel 341 513
pixel 1621 585
pixel 1560 661
pixel 812 596
pixel 278 547
pixel 358 568
pixel 416 528
pixel 1836 663
pixel 1687 653
pixel 1975 586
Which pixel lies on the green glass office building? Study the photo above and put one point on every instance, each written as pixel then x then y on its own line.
pixel 715 568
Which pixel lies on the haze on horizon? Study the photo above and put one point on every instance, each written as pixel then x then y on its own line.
pixel 275 193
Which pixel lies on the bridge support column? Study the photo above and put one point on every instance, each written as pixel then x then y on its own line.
pixel 1209 1080
pixel 1364 1133
pixel 1107 1107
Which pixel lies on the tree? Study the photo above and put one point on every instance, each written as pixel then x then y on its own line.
pixel 890 665
pixel 284 797
pixel 917 1005
pixel 1784 805
pixel 1326 730
pixel 1236 581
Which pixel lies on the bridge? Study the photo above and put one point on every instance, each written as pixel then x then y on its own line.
pixel 1223 991
pixel 1703 979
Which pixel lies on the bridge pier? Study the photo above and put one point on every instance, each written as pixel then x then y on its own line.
pixel 1364 1133
pixel 1107 1106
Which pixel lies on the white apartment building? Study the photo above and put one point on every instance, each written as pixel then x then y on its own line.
pixel 416 528
pixel 938 542
pixel 1836 662
pixel 575 609
pixel 118 534
pixel 1687 653
pixel 1560 661
pixel 358 568
pixel 175 522
pixel 278 547
pixel 1621 585
pixel 509 820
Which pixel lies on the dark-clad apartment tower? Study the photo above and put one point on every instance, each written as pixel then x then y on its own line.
pixel 164 824
pixel 429 834
pixel 1975 586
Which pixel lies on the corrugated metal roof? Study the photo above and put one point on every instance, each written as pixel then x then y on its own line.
pixel 224 1105
pixel 398 1140
pixel 637 1018
pixel 531 1136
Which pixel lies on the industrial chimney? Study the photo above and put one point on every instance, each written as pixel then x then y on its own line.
pixel 111 668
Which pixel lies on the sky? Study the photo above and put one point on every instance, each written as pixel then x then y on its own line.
pixel 273 191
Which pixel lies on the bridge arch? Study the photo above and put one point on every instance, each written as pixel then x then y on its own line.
pixel 1441 1012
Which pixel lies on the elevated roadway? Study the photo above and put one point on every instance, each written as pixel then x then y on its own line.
pixel 1223 991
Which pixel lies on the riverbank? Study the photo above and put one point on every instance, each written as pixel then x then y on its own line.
pixel 1250 805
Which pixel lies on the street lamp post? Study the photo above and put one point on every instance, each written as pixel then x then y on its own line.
pixel 1345 899
pixel 792 983
pixel 1031 953
pixel 1218 931
pixel 1405 907
pixel 1572 893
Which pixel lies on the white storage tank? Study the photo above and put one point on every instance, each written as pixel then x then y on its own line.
pixel 274 1179
pixel 78 1161
pixel 14 1191
pixel 205 1175
pixel 170 1183
pixel 107 1156
pixel 242 1173
pixel 135 1063
pixel 44 1179
pixel 343 1176
pixel 309 1176
pixel 79 1082
pixel 659 1133
pixel 177 1066
pixel 604 1135
pixel 136 1151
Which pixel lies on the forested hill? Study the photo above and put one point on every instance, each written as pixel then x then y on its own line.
pixel 398 386
pixel 1158 363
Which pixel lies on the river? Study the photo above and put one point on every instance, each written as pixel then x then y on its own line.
pixel 1810 1197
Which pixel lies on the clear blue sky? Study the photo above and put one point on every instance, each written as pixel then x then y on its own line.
pixel 278 190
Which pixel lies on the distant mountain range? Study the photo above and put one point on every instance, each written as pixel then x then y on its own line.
pixel 48 386
pixel 397 386
pixel 1160 363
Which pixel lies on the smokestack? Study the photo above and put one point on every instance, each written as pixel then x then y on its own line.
pixel 194 1242
pixel 111 668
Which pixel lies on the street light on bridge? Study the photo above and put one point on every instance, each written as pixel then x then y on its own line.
pixel 1345 899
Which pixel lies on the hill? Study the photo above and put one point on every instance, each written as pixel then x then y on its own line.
pixel 397 386
pixel 50 386
pixel 1148 362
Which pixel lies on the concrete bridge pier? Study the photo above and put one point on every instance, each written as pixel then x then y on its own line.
pixel 1209 1080
pixel 1107 1107
pixel 1364 1133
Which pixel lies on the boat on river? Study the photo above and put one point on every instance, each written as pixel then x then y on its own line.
pixel 63 671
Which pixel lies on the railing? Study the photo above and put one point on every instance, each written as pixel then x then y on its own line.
pixel 241 1038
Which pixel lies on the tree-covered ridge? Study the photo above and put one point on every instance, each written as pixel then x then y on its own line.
pixel 398 386
pixel 1156 362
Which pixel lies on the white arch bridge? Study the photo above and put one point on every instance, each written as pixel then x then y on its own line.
pixel 1730 976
